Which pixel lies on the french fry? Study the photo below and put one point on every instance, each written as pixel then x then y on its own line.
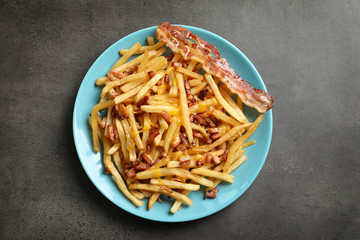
pixel 144 62
pixel 130 85
pixel 197 89
pixel 141 76
pixel 233 166
pixel 121 184
pixel 203 105
pixel 101 81
pixel 129 140
pixel 232 132
pixel 189 73
pixel 240 141
pixel 174 111
pixel 148 85
pixel 122 138
pixel 184 107
pixel 150 41
pixel 177 204
pixel 135 61
pixel 154 188
pixel 175 184
pixel 134 131
pixel 143 48
pixel 93 121
pixel 153 199
pixel 210 173
pixel 136 47
pixel 121 98
pixel 160 172
pixel 220 115
pixel 113 149
pixel 222 101
pixel 170 133
pixel 231 102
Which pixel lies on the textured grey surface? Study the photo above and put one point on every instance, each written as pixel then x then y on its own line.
pixel 308 55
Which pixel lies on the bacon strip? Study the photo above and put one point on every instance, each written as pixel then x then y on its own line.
pixel 176 38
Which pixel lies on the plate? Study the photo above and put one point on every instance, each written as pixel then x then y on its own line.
pixel 88 96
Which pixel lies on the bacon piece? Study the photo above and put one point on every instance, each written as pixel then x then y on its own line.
pixel 141 167
pixel 130 173
pixel 215 136
pixel 185 163
pixel 151 74
pixel 181 147
pixel 143 101
pixel 199 163
pixel 153 134
pixel 177 179
pixel 198 134
pixel 211 194
pixel 113 135
pixel 166 116
pixel 184 139
pixel 175 38
pixel 166 78
pixel 120 111
pixel 200 120
pixel 170 56
pixel 147 159
pixel 202 94
pixel 210 122
pixel 208 158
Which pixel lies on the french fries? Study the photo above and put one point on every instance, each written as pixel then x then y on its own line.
pixel 168 129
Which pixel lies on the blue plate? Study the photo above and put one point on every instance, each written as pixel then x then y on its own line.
pixel 89 95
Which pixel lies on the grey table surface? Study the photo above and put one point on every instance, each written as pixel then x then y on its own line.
pixel 308 54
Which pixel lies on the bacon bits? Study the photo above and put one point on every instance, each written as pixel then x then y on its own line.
pixel 166 78
pixel 211 194
pixel 170 56
pixel 199 163
pixel 198 134
pixel 130 173
pixel 200 120
pixel 166 116
pixel 113 134
pixel 117 74
pixel 184 139
pixel 151 74
pixel 213 130
pixel 120 111
pixel 147 159
pixel 181 147
pixel 202 94
pixel 215 136
pixel 210 123
pixel 143 101
pixel 185 163
pixel 208 158
pixel 141 166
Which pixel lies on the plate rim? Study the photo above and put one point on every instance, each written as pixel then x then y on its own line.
pixel 215 210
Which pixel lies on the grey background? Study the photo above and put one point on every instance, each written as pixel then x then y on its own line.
pixel 308 55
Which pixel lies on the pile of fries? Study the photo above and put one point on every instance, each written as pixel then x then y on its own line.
pixel 167 127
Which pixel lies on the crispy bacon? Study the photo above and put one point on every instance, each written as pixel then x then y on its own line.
pixel 175 37
pixel 211 193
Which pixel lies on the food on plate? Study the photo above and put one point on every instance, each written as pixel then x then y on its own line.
pixel 167 119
